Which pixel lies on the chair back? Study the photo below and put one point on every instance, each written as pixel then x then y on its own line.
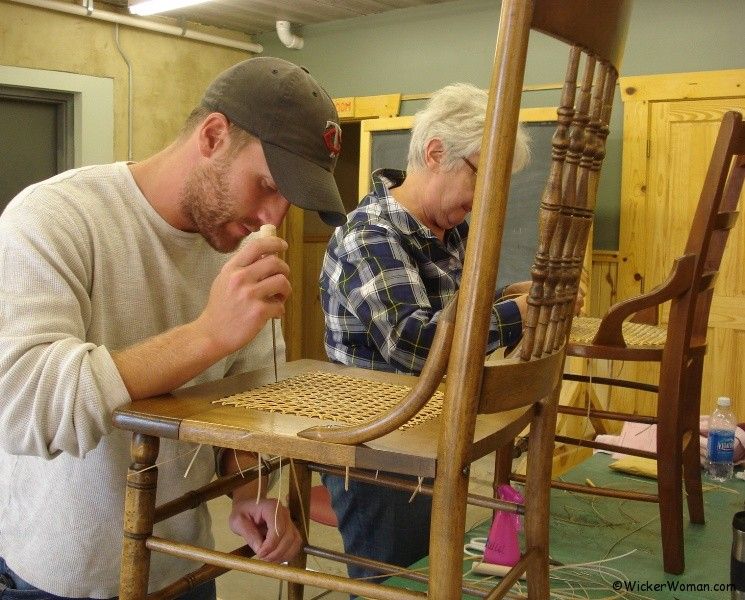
pixel 716 214
pixel 595 31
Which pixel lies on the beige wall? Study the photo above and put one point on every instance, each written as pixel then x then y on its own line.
pixel 169 73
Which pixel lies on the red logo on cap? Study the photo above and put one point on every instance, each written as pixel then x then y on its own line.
pixel 332 138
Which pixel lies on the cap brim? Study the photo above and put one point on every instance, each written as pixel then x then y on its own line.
pixel 305 184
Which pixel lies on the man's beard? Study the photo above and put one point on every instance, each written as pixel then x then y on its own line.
pixel 206 202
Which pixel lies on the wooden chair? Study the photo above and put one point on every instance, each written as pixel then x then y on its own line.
pixel 418 425
pixel 678 348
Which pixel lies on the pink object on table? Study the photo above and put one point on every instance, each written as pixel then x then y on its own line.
pixel 644 437
pixel 639 436
pixel 503 543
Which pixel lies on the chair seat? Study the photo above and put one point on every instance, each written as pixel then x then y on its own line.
pixel 335 397
pixel 253 412
pixel 643 342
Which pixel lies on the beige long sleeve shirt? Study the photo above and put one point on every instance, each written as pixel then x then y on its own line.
pixel 87 267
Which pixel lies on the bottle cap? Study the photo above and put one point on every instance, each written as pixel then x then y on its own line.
pixel 723 401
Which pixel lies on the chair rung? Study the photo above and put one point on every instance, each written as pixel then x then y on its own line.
pixel 407 486
pixel 708 280
pixel 278 571
pixel 625 383
pixel 513 575
pixel 601 446
pixel 596 491
pixel 578 411
pixel 726 220
pixel 210 491
pixel 607 492
pixel 195 578
pixel 383 567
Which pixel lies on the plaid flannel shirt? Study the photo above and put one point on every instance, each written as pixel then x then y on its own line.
pixel 386 278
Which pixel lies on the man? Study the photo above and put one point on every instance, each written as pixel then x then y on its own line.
pixel 124 281
pixel 387 275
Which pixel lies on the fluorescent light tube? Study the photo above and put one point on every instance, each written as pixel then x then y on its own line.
pixel 151 7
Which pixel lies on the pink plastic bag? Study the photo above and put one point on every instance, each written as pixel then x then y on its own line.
pixel 503 543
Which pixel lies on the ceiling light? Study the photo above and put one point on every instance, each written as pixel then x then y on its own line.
pixel 151 7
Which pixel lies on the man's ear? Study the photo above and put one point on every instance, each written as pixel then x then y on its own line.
pixel 213 134
pixel 434 154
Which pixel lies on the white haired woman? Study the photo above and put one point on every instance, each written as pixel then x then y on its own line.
pixel 387 274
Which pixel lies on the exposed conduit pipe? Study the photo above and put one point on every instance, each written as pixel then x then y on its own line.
pixel 130 104
pixel 103 15
pixel 288 38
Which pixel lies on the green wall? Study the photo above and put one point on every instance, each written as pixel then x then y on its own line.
pixel 420 49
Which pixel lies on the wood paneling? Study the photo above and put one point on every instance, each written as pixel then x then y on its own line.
pixel 670 122
pixel 603 283
pixel 314 328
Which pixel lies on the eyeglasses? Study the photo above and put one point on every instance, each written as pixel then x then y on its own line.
pixel 473 167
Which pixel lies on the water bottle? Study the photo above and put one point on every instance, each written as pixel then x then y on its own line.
pixel 721 441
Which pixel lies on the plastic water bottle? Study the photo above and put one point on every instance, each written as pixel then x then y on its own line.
pixel 721 441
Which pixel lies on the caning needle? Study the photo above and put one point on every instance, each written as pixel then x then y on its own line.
pixel 269 230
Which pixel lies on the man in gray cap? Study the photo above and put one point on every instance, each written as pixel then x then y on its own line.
pixel 124 281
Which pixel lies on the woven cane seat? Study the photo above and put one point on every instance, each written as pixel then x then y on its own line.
pixel 584 330
pixel 340 398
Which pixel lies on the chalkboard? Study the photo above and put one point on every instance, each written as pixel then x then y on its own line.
pixel 520 238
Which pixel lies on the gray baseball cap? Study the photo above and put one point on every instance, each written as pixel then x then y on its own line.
pixel 296 122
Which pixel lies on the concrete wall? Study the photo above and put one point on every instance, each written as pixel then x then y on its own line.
pixel 169 73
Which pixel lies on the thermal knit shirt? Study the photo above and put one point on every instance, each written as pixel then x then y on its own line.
pixel 385 280
pixel 87 267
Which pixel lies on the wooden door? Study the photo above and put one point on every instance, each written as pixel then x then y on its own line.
pixel 670 124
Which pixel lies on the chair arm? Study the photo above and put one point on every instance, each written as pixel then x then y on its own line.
pixel 395 417
pixel 610 331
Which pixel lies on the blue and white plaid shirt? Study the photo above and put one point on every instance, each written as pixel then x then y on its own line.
pixel 385 279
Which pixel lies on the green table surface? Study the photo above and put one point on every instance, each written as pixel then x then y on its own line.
pixel 586 529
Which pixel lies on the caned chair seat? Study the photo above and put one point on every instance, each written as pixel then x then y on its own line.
pixel 584 330
pixel 338 397
pixel 640 338
pixel 252 411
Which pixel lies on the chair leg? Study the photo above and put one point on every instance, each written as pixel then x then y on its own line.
pixel 692 479
pixel 670 477
pixel 299 505
pixel 139 513
pixel 448 524
pixel 503 465
pixel 691 456
pixel 538 497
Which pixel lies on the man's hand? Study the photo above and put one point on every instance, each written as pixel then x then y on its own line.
pixel 254 522
pixel 249 290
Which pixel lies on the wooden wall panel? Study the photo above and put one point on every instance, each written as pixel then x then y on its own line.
pixel 670 122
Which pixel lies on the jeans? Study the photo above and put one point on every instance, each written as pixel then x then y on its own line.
pixel 379 523
pixel 13 587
